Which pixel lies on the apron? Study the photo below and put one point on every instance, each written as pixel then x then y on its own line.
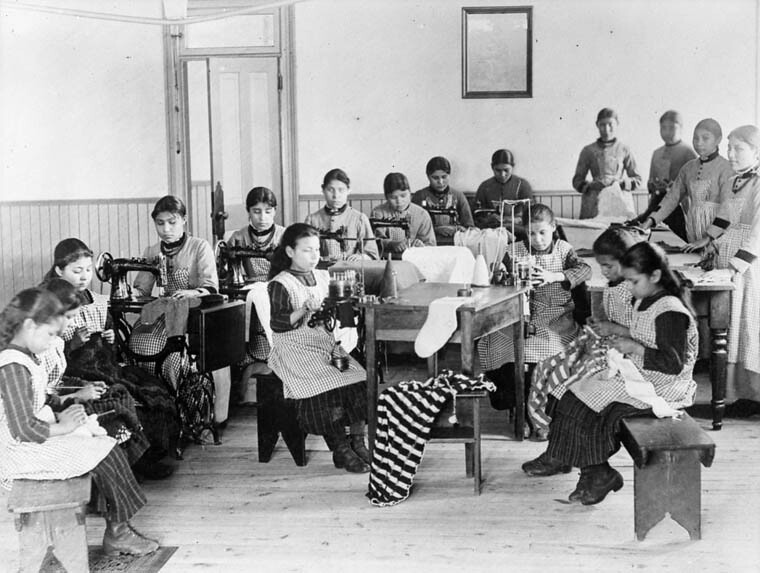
pixel 700 212
pixel 301 357
pixel 58 457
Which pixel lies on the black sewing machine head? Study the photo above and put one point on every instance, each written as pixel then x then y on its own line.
pixel 229 262
pixel 108 269
pixel 399 223
pixel 450 212
pixel 338 306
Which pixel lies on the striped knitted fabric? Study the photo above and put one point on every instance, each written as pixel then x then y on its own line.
pixel 405 416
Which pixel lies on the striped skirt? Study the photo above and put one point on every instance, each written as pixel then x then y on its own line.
pixel 580 437
pixel 331 411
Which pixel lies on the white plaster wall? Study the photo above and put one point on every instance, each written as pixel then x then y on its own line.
pixel 82 104
pixel 379 84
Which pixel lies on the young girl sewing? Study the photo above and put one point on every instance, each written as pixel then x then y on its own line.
pixel 398 206
pixel 39 445
pixel 553 374
pixel 555 270
pixel 698 185
pixel 328 395
pixel 608 160
pixel 190 271
pixel 662 345
pixel 90 356
pixel 503 185
pixel 439 196
pixel 735 233
pixel 339 218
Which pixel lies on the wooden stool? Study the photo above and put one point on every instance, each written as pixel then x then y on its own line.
pixel 666 476
pixel 274 416
pixel 51 514
pixel 466 430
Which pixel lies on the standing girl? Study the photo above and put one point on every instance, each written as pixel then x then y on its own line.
pixel 328 395
pixel 661 343
pixel 32 448
pixel 90 356
pixel 338 217
pixel 503 185
pixel 608 160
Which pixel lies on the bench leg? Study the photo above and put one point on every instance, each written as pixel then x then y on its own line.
pixel 476 461
pixel 277 416
pixel 669 483
pixel 60 529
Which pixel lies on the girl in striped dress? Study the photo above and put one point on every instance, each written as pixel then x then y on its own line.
pixel 36 444
pixel 328 395
pixel 338 216
pixel 553 374
pixel 263 235
pixel 662 342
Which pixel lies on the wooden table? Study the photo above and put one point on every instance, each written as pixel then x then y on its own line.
pixel 493 308
pixel 711 301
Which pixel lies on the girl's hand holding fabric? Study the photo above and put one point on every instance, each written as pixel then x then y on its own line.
pixel 696 245
pixel 626 345
pixel 186 293
pixel 71 418
pixel 358 257
pixel 109 336
pixel 541 276
pixel 312 305
pixel 90 392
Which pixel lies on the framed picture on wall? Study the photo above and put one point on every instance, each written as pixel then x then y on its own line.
pixel 497 52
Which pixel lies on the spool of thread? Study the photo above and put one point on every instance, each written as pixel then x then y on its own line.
pixel 466 291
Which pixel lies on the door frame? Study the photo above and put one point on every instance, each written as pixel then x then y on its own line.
pixel 177 117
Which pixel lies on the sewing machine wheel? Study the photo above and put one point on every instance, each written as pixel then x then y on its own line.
pixel 104 267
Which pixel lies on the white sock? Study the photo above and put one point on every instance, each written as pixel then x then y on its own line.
pixel 440 324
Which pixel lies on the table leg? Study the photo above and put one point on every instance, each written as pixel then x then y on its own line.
pixel 467 344
pixel 371 356
pixel 720 309
pixel 519 345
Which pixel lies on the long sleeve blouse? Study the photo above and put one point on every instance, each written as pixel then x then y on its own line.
pixel 420 226
pixel 448 199
pixel 280 305
pixel 18 403
pixel 671 329
pixel 492 190
pixel 356 226
pixel 608 162
pixel 193 266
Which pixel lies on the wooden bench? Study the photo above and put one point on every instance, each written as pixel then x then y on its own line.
pixel 274 416
pixel 50 515
pixel 666 477
pixel 466 430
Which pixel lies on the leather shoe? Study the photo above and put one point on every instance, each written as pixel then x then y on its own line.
pixel 154 471
pixel 121 539
pixel 582 486
pixel 544 466
pixel 601 482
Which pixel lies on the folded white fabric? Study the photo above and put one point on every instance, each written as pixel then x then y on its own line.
pixel 440 324
pixel 637 386
pixel 258 298
pixel 442 264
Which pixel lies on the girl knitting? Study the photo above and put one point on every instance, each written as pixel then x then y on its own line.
pixel 553 374
pixel 662 345
pixel 39 445
pixel 328 396
pixel 556 269
pixel 338 217
pixel 398 206
pixel 90 356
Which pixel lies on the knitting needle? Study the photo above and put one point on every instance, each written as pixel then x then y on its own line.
pixel 106 413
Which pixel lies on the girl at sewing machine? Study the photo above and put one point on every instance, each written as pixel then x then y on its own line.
pixel 439 196
pixel 661 347
pixel 339 219
pixel 503 185
pixel 37 444
pixel 553 374
pixel 554 269
pixel 190 271
pixel 698 185
pixel 398 206
pixel 328 386
pixel 608 160
pixel 90 356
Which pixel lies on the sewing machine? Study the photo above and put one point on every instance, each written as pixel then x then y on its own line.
pixel 229 262
pixel 108 269
pixel 392 223
pixel 449 212
pixel 343 291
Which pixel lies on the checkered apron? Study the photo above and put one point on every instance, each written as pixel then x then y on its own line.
pixel 551 313
pixel 301 357
pixel 618 303
pixel 90 316
pixel 598 391
pixel 58 457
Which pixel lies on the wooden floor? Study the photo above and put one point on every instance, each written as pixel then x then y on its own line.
pixel 227 512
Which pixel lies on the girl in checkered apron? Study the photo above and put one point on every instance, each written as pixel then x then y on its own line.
pixel 37 444
pixel 89 355
pixel 338 216
pixel 263 235
pixel 329 387
pixel 662 343
pixel 735 234
pixel 553 374
pixel 556 269
pixel 190 273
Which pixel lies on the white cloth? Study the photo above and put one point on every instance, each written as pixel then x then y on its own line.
pixel 614 202
pixel 440 324
pixel 491 243
pixel 442 264
pixel 258 298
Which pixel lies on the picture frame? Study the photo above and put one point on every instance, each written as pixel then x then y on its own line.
pixel 497 52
